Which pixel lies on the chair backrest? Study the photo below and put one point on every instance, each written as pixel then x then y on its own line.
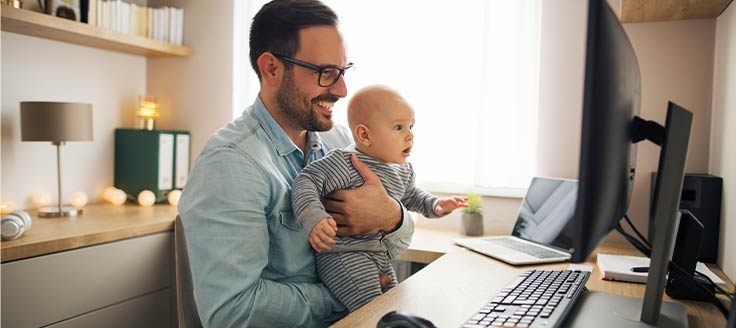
pixel 185 305
pixel 732 316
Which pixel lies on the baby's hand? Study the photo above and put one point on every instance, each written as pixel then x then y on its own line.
pixel 321 235
pixel 449 204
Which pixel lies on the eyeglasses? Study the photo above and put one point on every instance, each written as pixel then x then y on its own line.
pixel 328 75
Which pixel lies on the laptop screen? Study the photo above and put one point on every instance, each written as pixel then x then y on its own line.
pixel 546 213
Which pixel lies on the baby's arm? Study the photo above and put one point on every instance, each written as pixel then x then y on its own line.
pixel 322 234
pixel 448 204
pixel 316 180
pixel 430 206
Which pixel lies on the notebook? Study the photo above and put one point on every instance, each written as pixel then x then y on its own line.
pixel 543 229
pixel 620 268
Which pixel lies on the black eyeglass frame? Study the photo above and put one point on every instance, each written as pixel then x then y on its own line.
pixel 318 69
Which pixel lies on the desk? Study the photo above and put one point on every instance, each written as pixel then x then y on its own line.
pixel 458 283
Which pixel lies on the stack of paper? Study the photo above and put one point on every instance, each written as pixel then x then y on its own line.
pixel 619 267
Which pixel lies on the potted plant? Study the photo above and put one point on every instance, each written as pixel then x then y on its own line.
pixel 472 219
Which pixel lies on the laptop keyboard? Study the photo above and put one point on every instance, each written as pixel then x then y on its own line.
pixel 526 248
pixel 536 298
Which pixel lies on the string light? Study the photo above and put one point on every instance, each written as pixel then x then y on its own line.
pixel 114 196
pixel 146 198
pixel 7 205
pixel 173 197
pixel 79 200
pixel 41 198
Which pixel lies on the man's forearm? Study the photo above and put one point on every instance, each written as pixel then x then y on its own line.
pixel 394 222
pixel 398 241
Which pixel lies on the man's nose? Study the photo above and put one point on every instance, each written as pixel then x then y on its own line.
pixel 339 89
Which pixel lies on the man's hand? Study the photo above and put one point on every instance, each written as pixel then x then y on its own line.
pixel 321 235
pixel 366 209
pixel 449 204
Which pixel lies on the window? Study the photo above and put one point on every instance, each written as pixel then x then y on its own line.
pixel 469 69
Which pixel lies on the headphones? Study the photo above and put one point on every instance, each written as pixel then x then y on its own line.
pixel 15 224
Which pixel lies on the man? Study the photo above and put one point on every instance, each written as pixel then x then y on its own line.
pixel 251 264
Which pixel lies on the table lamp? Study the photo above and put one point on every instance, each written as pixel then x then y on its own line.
pixel 57 122
pixel 147 113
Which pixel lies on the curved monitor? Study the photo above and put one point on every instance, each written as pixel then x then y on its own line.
pixel 611 100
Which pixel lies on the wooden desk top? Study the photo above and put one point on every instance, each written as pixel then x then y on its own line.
pixel 455 285
pixel 99 223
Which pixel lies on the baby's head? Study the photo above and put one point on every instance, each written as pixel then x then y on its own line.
pixel 381 121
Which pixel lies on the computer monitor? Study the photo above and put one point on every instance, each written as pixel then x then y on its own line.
pixel 610 131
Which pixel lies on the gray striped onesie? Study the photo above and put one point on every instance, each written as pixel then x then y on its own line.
pixel 352 268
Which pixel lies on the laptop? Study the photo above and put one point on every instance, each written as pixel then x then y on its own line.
pixel 543 229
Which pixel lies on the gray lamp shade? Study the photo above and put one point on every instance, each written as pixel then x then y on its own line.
pixel 55 121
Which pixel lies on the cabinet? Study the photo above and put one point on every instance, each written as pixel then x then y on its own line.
pixel 126 283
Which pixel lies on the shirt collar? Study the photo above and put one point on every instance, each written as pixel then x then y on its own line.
pixel 280 140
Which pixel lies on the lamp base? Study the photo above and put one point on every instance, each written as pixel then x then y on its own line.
pixel 53 212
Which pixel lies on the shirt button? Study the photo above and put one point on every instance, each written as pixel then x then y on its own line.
pixel 315 146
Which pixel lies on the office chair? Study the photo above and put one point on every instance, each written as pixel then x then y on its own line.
pixel 732 316
pixel 185 304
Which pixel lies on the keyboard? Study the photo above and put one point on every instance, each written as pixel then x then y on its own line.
pixel 537 298
pixel 526 248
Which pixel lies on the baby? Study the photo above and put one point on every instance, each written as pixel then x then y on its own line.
pixel 381 122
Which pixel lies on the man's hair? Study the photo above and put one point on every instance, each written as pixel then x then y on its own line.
pixel 276 26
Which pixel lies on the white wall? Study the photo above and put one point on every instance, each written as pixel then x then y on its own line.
pixel 44 70
pixel 723 134
pixel 196 93
pixel 676 63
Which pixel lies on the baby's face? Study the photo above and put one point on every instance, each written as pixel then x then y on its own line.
pixel 391 135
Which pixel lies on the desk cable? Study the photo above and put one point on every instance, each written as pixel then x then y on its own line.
pixel 688 280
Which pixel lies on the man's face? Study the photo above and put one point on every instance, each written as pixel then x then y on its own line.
pixel 303 102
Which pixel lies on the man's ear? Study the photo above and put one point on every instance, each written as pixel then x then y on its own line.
pixel 272 70
pixel 362 135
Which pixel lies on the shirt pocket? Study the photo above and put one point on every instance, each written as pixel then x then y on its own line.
pixel 288 220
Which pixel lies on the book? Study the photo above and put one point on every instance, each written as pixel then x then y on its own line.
pixel 619 268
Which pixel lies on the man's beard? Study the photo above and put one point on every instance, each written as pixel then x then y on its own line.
pixel 297 109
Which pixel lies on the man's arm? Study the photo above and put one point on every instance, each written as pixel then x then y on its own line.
pixel 369 209
pixel 223 208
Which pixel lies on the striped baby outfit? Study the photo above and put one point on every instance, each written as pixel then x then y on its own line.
pixel 351 270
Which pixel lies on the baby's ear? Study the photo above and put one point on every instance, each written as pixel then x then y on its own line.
pixel 363 135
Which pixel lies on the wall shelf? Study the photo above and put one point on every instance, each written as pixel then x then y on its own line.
pixel 45 26
pixel 638 11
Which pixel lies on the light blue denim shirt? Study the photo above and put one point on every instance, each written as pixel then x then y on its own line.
pixel 251 264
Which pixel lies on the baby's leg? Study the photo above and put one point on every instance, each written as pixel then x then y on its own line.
pixel 351 276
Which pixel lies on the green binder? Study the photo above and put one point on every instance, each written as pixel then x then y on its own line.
pixel 151 160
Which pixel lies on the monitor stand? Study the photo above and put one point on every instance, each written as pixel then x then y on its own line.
pixel 605 310
pixel 595 309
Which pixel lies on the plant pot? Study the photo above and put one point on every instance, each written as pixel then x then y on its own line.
pixel 472 225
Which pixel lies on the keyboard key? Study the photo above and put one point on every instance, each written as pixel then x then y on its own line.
pixel 478 317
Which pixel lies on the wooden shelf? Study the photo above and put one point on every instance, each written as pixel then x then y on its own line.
pixel 45 26
pixel 639 11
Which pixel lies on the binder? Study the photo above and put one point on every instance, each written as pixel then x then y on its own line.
pixel 181 165
pixel 151 160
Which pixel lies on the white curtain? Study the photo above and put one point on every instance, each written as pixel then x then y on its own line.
pixel 470 70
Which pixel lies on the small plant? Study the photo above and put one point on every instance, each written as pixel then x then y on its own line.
pixel 475 205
